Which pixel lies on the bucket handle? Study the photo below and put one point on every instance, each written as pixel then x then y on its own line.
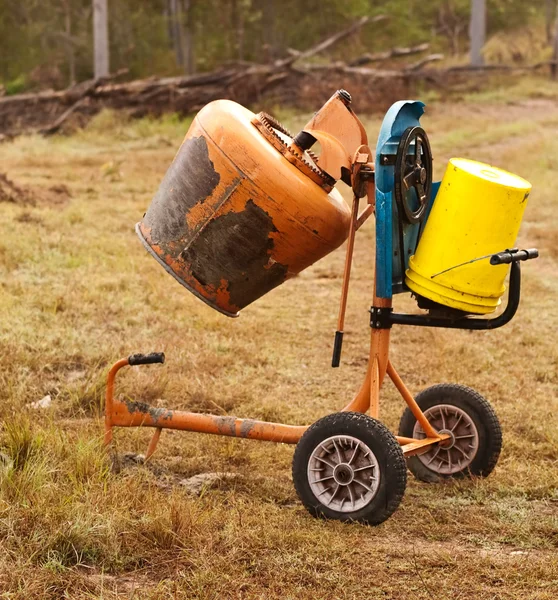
pixel 507 257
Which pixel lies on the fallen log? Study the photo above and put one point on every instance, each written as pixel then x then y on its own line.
pixel 386 55
pixel 84 92
pixel 330 41
pixel 417 66
pixel 293 81
pixel 47 112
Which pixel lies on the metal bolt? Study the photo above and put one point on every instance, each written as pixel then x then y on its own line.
pixel 344 94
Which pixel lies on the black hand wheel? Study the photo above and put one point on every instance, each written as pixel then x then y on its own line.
pixel 475 439
pixel 348 466
pixel 413 174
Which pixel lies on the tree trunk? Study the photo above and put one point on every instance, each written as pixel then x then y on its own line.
pixel 69 45
pixel 477 31
pixel 100 38
pixel 554 66
pixel 549 21
pixel 269 29
pixel 176 29
pixel 181 32
pixel 188 37
pixel 237 22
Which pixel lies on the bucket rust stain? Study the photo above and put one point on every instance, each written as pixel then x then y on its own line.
pixel 236 247
pixel 190 179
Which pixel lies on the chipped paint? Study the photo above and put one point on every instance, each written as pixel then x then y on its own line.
pixel 154 413
pixel 226 425
pixel 190 179
pixel 236 247
pixel 246 427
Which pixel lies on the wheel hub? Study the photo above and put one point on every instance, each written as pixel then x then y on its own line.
pixel 343 473
pixel 448 442
pixel 456 453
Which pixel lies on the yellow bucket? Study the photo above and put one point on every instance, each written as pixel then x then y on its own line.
pixel 477 212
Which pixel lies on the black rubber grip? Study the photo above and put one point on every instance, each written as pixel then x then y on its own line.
pixel 513 255
pixel 146 359
pixel 337 345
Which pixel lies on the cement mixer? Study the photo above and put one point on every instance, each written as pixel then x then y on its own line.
pixel 246 205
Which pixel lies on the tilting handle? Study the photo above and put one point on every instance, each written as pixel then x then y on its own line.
pixel 336 359
pixel 146 359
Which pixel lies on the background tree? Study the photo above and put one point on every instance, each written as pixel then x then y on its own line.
pixel 554 67
pixel 49 43
pixel 477 31
pixel 549 20
pixel 100 38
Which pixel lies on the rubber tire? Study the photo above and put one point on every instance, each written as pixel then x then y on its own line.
pixel 393 472
pixel 481 413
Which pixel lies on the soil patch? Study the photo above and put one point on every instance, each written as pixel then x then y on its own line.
pixel 56 195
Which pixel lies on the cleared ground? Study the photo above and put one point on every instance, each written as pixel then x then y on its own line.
pixel 77 291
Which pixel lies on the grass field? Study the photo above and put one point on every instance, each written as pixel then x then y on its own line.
pixel 77 291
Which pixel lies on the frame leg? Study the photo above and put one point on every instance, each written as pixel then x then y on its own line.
pixel 411 403
pixel 379 360
pixel 153 443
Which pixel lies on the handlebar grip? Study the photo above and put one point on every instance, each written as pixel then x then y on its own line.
pixel 514 255
pixel 337 345
pixel 146 359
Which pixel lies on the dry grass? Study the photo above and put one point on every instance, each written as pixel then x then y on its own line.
pixel 77 291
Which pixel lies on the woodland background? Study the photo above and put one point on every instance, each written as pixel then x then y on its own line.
pixel 49 43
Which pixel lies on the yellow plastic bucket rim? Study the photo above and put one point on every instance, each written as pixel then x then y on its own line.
pixel 427 281
pixel 451 298
pixel 490 173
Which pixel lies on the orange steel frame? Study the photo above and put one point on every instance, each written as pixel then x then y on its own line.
pixel 134 414
pixel 138 414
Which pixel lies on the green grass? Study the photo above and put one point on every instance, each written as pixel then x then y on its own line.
pixel 77 291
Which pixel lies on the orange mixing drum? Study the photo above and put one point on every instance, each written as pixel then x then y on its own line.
pixel 241 209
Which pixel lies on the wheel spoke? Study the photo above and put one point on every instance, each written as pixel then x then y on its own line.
pixel 323 479
pixel 326 462
pixel 351 496
pixel 443 418
pixel 363 485
pixel 462 452
pixel 354 454
pixel 333 495
pixel 363 468
pixel 420 192
pixel 456 423
pixel 435 455
pixel 338 452
pixel 409 180
pixel 326 450
pixel 418 150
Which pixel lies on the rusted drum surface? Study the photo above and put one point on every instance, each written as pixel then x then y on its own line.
pixel 241 209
